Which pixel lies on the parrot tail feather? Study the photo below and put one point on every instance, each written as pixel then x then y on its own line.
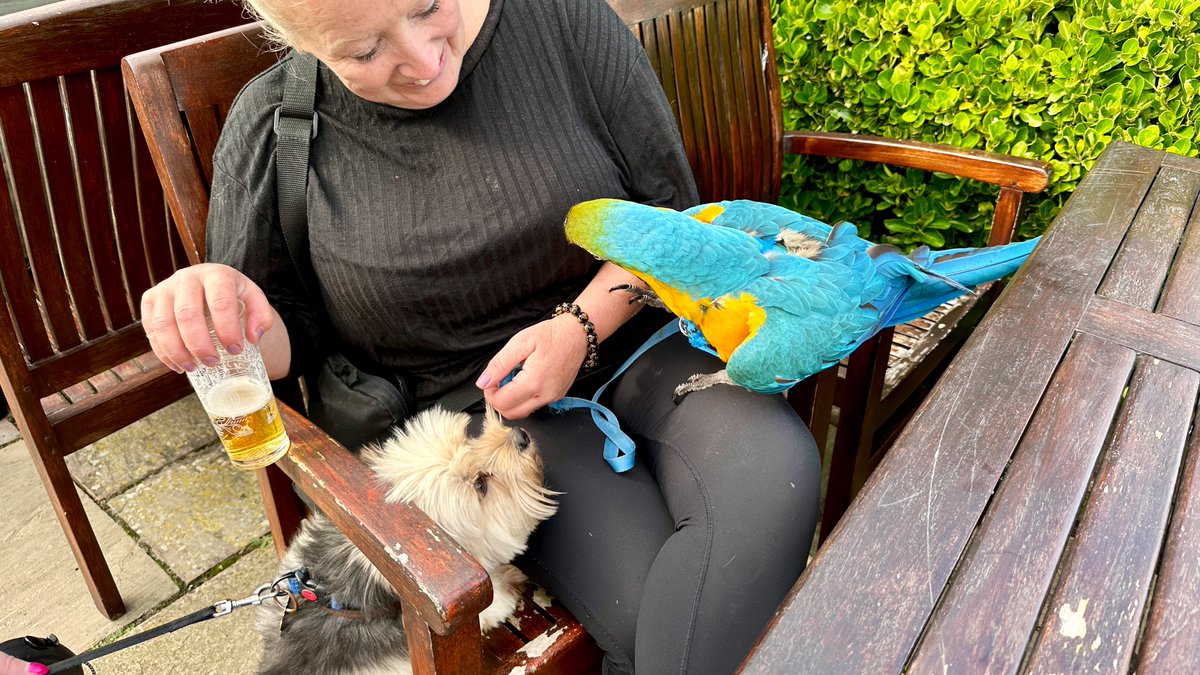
pixel 954 272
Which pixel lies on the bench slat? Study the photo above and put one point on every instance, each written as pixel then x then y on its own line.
pixel 1179 296
pixel 1141 266
pixel 1171 642
pixel 1104 580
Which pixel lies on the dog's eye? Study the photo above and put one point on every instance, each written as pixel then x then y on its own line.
pixel 481 483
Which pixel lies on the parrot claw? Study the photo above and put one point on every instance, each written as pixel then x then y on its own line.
pixel 700 381
pixel 638 294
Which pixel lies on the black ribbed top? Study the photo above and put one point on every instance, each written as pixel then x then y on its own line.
pixel 437 234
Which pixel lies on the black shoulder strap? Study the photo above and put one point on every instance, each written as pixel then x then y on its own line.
pixel 295 127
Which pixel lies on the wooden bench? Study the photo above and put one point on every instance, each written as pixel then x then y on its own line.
pixel 1040 512
pixel 83 231
pixel 707 55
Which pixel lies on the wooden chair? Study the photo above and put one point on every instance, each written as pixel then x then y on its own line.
pixel 83 231
pixel 715 61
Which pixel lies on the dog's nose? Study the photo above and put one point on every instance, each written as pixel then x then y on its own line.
pixel 520 438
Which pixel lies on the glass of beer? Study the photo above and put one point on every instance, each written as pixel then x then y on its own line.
pixel 237 396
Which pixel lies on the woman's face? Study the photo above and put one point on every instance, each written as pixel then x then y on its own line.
pixel 403 53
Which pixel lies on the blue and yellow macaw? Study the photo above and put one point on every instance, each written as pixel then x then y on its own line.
pixel 775 294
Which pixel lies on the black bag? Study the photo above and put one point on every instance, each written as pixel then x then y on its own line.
pixel 354 406
pixel 349 404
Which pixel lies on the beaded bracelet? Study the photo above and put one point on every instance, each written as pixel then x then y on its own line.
pixel 574 310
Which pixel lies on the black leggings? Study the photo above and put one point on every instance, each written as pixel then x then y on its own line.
pixel 676 565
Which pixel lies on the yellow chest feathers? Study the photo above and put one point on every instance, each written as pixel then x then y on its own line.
pixel 726 323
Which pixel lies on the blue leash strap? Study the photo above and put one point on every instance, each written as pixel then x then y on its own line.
pixel 619 448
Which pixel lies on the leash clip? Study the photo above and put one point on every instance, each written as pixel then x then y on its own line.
pixel 264 592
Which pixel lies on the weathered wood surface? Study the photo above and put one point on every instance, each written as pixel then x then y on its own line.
pixel 1038 513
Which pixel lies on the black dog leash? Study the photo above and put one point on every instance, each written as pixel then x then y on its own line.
pixel 286 585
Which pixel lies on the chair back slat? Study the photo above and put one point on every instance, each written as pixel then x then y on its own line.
pixel 715 60
pixel 116 124
pixel 17 280
pixel 55 139
pixel 157 231
pixel 93 184
pixel 26 169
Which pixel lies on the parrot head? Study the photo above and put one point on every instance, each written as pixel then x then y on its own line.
pixel 620 231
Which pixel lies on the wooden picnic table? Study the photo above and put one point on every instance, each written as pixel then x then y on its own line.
pixel 1039 513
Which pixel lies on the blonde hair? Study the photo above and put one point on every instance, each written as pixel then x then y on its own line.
pixel 281 34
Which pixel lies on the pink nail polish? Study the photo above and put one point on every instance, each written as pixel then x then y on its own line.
pixel 234 349
pixel 259 333
pixel 188 366
pixel 483 381
pixel 37 669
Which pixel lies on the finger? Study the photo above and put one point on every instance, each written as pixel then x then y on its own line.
pixel 11 665
pixel 224 307
pixel 504 362
pixel 158 320
pixel 515 393
pixel 260 318
pixel 145 311
pixel 189 312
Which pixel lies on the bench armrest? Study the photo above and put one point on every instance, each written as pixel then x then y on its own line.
pixel 435 578
pixel 1026 175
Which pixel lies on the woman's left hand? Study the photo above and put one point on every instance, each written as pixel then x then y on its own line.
pixel 549 352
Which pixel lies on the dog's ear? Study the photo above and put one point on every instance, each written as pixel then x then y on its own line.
pixel 492 415
pixel 480 483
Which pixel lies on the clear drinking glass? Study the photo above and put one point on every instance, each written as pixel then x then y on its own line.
pixel 236 394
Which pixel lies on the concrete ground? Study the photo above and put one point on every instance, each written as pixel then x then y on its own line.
pixel 180 527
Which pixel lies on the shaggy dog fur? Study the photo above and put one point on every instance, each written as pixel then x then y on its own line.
pixel 486 491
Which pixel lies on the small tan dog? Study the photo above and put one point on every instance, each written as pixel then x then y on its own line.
pixel 486 491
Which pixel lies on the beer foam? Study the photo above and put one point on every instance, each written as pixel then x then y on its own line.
pixel 236 397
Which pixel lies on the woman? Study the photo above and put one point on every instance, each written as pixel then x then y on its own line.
pixel 454 135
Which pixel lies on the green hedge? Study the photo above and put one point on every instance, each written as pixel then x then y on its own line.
pixel 1055 81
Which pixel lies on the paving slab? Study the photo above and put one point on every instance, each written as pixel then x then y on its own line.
pixel 195 513
pixel 222 645
pixel 41 589
pixel 116 462
pixel 8 431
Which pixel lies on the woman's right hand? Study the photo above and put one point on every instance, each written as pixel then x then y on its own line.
pixel 173 315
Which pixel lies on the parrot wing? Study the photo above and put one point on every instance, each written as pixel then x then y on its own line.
pixel 766 222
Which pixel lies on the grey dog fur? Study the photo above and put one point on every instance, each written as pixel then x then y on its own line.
pixel 318 642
